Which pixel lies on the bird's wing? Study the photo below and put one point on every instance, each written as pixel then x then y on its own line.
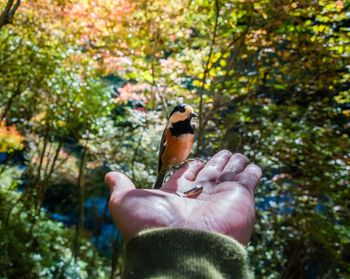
pixel 161 151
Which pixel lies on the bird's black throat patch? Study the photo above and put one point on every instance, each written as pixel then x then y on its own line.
pixel 182 127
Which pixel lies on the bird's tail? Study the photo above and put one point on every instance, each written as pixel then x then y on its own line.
pixel 160 179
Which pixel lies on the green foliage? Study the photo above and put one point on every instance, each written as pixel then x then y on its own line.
pixel 42 250
pixel 269 80
pixel 10 139
pixel 130 144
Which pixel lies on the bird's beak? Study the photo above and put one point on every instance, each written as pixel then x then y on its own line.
pixel 194 114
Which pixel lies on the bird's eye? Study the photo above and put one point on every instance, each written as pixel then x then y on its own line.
pixel 182 110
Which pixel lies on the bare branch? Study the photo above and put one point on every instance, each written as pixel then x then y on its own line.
pixel 8 13
pixel 204 79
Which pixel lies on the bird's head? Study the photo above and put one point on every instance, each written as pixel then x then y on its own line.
pixel 181 112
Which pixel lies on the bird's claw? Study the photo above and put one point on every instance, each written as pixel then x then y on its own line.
pixel 188 161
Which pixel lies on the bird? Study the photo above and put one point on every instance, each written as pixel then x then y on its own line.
pixel 177 140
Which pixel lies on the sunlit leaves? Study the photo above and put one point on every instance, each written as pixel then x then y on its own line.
pixel 52 254
pixel 273 80
pixel 10 138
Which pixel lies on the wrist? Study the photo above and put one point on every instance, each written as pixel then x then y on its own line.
pixel 184 252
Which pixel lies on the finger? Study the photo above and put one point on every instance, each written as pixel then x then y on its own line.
pixel 219 160
pixel 188 172
pixel 234 166
pixel 214 166
pixel 250 177
pixel 118 182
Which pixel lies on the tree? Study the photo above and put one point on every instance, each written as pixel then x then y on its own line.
pixel 9 11
pixel 269 79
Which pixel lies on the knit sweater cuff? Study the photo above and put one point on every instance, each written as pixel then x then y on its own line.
pixel 184 253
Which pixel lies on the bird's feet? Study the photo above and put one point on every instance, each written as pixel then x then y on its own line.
pixel 188 161
pixel 185 163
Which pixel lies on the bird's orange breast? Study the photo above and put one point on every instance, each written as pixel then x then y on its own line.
pixel 177 149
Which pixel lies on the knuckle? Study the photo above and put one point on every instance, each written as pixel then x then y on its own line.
pixel 225 176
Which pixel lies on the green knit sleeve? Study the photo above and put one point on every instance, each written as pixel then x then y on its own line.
pixel 184 253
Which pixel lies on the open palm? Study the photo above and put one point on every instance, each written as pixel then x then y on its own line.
pixel 225 205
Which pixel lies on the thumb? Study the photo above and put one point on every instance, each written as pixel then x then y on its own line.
pixel 118 182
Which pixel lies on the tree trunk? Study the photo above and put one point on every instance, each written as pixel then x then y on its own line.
pixel 10 101
pixel 80 201
pixel 8 13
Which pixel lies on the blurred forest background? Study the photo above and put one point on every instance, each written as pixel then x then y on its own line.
pixel 86 87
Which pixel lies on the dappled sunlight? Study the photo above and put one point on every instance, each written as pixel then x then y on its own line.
pixel 86 87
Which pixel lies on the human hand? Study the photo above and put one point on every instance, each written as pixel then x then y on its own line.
pixel 225 205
